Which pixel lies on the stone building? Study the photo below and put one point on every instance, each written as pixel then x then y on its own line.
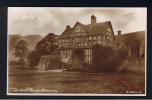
pixel 75 43
pixel 133 42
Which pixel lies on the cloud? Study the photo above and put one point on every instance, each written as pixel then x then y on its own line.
pixel 41 21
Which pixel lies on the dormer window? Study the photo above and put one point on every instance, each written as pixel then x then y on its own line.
pixel 77 29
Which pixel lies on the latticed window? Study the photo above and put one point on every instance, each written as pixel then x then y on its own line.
pixel 85 44
pixel 99 42
pixel 90 38
pixel 99 37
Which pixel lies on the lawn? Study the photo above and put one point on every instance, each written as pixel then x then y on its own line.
pixel 27 81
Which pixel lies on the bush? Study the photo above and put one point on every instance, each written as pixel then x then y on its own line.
pixel 34 58
pixel 106 59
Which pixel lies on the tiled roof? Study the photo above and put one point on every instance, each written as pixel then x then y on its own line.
pixel 90 29
pixel 128 38
pixel 66 33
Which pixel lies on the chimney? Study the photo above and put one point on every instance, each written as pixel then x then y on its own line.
pixel 119 32
pixel 93 19
pixel 68 27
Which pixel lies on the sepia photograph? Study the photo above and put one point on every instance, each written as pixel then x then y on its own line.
pixel 77 51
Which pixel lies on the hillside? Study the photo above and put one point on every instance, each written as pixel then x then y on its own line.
pixel 31 40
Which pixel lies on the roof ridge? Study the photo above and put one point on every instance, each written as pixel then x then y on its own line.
pixel 99 22
pixel 135 32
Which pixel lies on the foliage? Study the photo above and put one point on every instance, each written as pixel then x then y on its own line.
pixel 34 57
pixel 106 59
pixel 21 51
pixel 46 46
pixel 21 48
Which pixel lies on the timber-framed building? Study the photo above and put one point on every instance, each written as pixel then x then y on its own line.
pixel 76 43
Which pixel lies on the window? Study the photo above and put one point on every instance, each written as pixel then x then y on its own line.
pixel 94 37
pixel 77 29
pixel 90 38
pixel 99 37
pixel 104 37
pixel 66 39
pixel 99 42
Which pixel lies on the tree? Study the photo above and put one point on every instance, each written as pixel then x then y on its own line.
pixel 34 57
pixel 46 46
pixel 21 51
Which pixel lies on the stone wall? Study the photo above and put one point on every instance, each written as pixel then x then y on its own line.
pixel 49 62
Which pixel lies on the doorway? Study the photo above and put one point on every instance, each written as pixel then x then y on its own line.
pixel 78 59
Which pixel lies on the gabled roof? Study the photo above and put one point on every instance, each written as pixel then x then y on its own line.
pixel 66 33
pixel 131 37
pixel 98 28
pixel 90 29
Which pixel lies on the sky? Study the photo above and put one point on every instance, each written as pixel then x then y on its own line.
pixel 44 20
